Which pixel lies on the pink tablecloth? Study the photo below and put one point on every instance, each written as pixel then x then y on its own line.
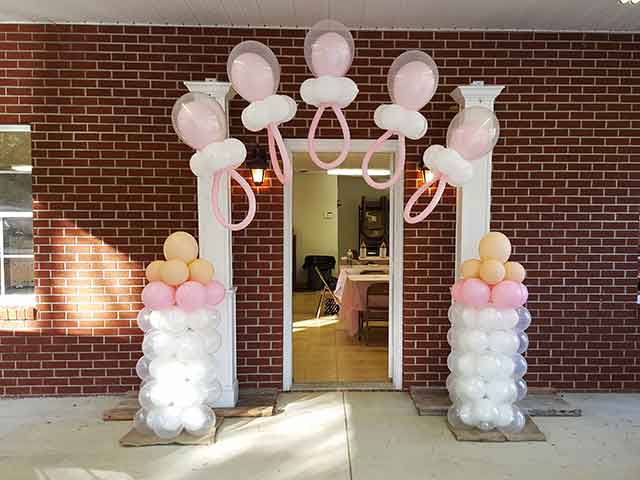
pixel 353 297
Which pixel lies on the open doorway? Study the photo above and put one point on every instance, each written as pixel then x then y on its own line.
pixel 342 308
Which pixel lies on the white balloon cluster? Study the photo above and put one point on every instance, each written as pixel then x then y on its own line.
pixel 448 163
pixel 273 110
pixel 487 366
pixel 327 90
pixel 397 118
pixel 179 383
pixel 230 153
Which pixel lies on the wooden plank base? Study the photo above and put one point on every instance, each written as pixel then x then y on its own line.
pixel 251 403
pixel 530 433
pixel 133 438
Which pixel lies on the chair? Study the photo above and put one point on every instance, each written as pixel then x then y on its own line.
pixel 375 314
pixel 328 300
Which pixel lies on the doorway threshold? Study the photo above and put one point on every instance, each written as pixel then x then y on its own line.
pixel 343 387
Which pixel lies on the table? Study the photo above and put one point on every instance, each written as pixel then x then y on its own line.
pixel 353 297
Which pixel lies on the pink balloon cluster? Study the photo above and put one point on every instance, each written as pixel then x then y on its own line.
pixel 477 293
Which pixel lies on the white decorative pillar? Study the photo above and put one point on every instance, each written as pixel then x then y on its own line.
pixel 473 201
pixel 215 246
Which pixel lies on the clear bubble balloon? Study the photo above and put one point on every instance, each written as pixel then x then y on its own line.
pixel 456 416
pixel 212 341
pixel 502 391
pixel 484 411
pixel 505 415
pixel 140 422
pixel 198 420
pixel 214 392
pixel 469 318
pixel 253 70
pixel 489 318
pixel 167 369
pixel 190 346
pixel 144 320
pixel 455 311
pixel 508 318
pixel 470 388
pixel 199 120
pixel 521 387
pixel 166 422
pixel 520 366
pixel 144 395
pixel 157 344
pixel 474 340
pixel 328 49
pixel 142 368
pixel 175 321
pixel 188 394
pixel 412 79
pixel 473 132
pixel 517 423
pixel 523 342
pixel 503 341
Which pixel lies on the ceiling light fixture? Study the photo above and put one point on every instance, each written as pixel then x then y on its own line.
pixel 357 172
pixel 633 2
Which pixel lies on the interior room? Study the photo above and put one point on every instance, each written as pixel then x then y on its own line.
pixel 341 302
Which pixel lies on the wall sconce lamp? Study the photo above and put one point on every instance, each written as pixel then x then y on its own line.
pixel 258 165
pixel 427 175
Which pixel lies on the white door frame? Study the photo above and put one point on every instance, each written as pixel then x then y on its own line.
pixel 396 255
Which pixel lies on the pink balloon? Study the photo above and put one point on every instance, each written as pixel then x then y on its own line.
pixel 330 55
pixel 198 120
pixel 158 296
pixel 508 294
pixel 215 293
pixel 252 77
pixel 475 292
pixel 191 296
pixel 471 142
pixel 456 290
pixel 414 85
pixel 525 293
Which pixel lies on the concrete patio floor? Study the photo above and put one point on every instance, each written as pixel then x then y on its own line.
pixel 330 435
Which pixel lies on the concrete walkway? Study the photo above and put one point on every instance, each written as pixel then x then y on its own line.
pixel 331 435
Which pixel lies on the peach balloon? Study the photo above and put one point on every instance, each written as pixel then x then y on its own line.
pixel 174 272
pixel 515 272
pixel 152 272
pixel 492 271
pixel 181 246
pixel 470 268
pixel 201 270
pixel 495 246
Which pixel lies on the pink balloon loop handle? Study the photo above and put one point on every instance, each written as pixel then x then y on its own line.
pixel 346 135
pixel 399 167
pixel 274 137
pixel 215 192
pixel 432 204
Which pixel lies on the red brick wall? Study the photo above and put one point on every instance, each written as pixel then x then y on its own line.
pixel 111 181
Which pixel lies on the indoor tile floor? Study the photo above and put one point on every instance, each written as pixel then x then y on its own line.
pixel 323 351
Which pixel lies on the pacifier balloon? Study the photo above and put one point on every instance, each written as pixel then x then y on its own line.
pixel 254 72
pixel 328 50
pixel 472 133
pixel 201 123
pixel 412 81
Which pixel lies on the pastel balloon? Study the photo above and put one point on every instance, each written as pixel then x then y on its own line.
pixel 198 120
pixel 253 70
pixel 152 272
pixel 201 270
pixel 495 246
pixel 174 272
pixel 412 79
pixel 475 292
pixel 470 268
pixel 215 293
pixel 158 296
pixel 492 271
pixel 456 291
pixel 328 49
pixel 509 294
pixel 473 132
pixel 180 246
pixel 514 271
pixel 191 296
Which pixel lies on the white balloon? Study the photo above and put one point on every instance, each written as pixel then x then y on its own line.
pixel 502 391
pixel 142 368
pixel 175 321
pixel 523 342
pixel 196 370
pixel 484 411
pixel 524 319
pixel 190 346
pixel 518 422
pixel 167 370
pixel 468 318
pixel 455 416
pixel 144 395
pixel 212 341
pixel 188 394
pixel 213 391
pixel 488 318
pixel 198 320
pixel 466 364
pixel 454 313
pixel 474 340
pixel 144 320
pixel 453 337
pixel 519 366
pixel 503 341
pixel 166 422
pixel 508 318
pixel 157 344
pixel 198 420
pixel 470 388
pixel 140 422
pixel 157 318
pixel 521 387
pixel 505 415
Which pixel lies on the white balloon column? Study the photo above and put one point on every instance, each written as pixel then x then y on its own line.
pixel 487 340
pixel 179 383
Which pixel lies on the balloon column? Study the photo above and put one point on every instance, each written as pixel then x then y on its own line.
pixel 328 50
pixel 412 81
pixel 472 134
pixel 201 123
pixel 254 72
pixel 487 340
pixel 179 384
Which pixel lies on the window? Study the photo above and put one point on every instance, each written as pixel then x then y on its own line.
pixel 16 226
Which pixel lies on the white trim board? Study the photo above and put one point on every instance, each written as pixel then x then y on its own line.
pixel 396 240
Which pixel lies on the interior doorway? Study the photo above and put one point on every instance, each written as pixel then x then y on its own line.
pixel 343 271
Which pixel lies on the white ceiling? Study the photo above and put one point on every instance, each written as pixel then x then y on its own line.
pixel 590 15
